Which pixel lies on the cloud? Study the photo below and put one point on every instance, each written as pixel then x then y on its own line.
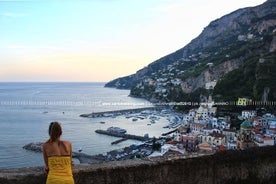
pixel 12 15
pixel 34 47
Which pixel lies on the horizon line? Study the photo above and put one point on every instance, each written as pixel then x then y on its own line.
pixel 54 81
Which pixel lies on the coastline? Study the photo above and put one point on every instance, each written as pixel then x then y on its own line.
pixel 27 103
pixel 127 153
pixel 141 150
pixel 119 112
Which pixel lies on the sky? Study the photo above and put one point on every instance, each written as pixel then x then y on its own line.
pixel 97 40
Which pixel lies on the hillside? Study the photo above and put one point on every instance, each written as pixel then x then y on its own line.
pixel 234 56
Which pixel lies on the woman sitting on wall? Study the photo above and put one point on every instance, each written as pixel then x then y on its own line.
pixel 57 157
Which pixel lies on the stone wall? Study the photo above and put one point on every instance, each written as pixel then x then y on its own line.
pixel 256 165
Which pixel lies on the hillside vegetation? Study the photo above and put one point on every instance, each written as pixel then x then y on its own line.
pixel 234 56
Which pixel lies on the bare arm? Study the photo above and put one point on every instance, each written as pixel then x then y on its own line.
pixel 45 157
pixel 71 153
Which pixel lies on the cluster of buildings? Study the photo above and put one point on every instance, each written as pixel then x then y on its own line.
pixel 202 132
pixel 172 77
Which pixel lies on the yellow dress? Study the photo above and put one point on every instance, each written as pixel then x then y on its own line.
pixel 60 170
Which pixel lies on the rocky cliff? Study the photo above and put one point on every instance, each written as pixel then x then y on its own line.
pixel 240 39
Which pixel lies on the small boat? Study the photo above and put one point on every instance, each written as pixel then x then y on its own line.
pixel 116 130
pixel 102 122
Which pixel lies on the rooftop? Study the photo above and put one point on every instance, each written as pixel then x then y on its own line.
pixel 246 124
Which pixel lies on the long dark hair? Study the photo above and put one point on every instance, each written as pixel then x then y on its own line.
pixel 55 131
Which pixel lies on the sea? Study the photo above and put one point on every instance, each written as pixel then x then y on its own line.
pixel 26 110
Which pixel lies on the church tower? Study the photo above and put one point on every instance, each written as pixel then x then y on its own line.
pixel 245 138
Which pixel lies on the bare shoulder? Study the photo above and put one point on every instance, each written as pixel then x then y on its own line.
pixel 67 142
pixel 67 146
pixel 45 145
pixel 47 148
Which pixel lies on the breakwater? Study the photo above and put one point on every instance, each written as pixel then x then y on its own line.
pixel 118 112
pixel 126 136
pixel 167 133
pixel 82 157
pixel 118 141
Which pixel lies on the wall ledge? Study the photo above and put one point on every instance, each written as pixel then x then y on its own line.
pixel 257 165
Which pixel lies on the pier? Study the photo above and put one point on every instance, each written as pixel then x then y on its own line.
pixel 118 141
pixel 125 136
pixel 164 134
pixel 118 112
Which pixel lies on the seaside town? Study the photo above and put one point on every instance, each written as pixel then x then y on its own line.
pixel 198 132
pixel 201 131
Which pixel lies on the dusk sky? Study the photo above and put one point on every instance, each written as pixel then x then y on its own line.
pixel 98 40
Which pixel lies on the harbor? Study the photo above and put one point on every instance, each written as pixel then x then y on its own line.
pixel 119 140
pixel 150 115
pixel 125 136
pixel 119 112
pixel 130 152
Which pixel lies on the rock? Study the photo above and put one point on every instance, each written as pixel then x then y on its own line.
pixel 83 158
pixel 34 146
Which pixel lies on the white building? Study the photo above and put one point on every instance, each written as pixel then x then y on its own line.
pixel 202 113
pixel 205 111
pixel 259 121
pixel 190 116
pixel 272 125
pixel 160 90
pixel 176 82
pixel 264 141
pixel 213 139
pixel 231 135
pixel 249 114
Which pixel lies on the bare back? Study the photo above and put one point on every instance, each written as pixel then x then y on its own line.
pixel 57 148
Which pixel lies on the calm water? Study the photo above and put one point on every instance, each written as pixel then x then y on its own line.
pixel 26 109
